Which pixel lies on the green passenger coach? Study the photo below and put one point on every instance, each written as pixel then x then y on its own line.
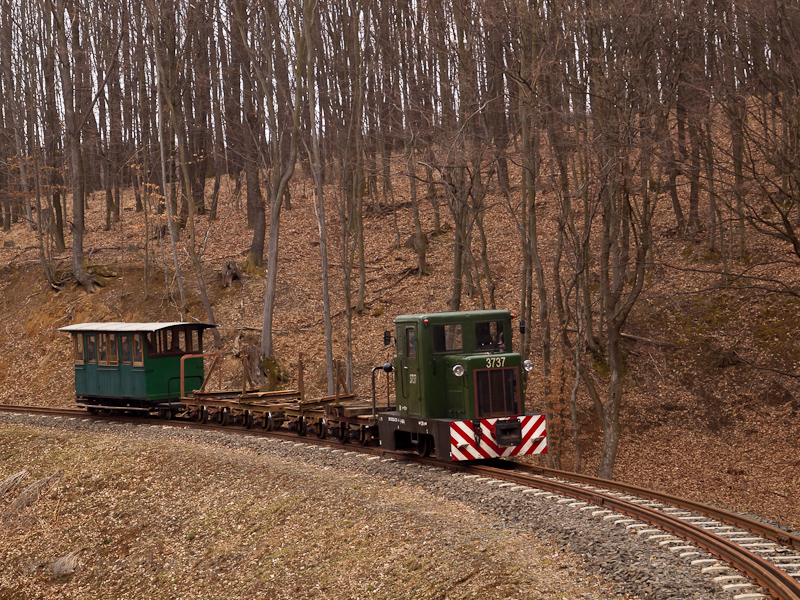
pixel 135 366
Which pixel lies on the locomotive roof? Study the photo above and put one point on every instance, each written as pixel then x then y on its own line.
pixel 461 315
pixel 118 326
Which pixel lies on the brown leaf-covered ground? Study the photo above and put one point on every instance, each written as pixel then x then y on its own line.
pixel 710 408
pixel 158 520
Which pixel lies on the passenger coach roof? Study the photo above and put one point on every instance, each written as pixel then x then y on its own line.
pixel 116 326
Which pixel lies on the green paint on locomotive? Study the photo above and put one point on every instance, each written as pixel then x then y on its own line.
pixel 457 365
pixel 135 363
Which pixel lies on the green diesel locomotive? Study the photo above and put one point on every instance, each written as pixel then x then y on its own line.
pixel 458 389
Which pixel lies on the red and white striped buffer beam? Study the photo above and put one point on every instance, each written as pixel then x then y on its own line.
pixel 466 445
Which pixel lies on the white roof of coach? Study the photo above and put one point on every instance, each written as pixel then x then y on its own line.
pixel 117 326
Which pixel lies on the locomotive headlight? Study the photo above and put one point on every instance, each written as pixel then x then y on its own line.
pixel 528 364
pixel 458 371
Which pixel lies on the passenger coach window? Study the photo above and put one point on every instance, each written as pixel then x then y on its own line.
pixel 102 350
pixel 125 345
pixel 195 344
pixel 113 356
pixel 91 348
pixel 447 338
pixel 411 343
pixel 78 339
pixel 138 355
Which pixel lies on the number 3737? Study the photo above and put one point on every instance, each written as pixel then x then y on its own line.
pixel 494 362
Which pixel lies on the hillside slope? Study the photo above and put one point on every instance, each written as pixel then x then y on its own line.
pixel 710 409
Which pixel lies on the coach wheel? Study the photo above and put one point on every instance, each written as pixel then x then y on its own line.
pixel 321 429
pixel 248 419
pixel 267 421
pixel 424 445
pixel 343 433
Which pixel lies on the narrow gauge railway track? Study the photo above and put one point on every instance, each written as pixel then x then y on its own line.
pixel 714 530
pixel 717 536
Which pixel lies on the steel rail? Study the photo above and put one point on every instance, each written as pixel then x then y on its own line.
pixel 770 532
pixel 768 575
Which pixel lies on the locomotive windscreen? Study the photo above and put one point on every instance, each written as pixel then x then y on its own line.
pixel 496 392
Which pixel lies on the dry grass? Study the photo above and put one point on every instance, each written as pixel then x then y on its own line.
pixel 156 520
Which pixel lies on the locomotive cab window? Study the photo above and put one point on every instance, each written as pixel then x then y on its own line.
pixel 447 338
pixel 411 342
pixel 77 340
pixel 489 336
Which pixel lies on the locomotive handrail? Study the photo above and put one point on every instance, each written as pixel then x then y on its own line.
pixel 386 368
pixel 217 360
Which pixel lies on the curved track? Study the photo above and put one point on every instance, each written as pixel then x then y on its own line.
pixel 705 526
pixel 711 535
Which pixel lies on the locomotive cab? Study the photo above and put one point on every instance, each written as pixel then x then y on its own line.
pixel 458 387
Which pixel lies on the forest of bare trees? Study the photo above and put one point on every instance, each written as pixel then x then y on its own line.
pixel 610 108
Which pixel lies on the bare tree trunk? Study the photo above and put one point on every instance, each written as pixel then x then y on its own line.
pixel 155 15
pixel 184 167
pixel 309 6
pixel 420 239
pixel 73 124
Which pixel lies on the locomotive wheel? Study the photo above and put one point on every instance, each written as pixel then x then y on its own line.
pixel 248 419
pixel 364 435
pixel 424 445
pixel 321 429
pixel 267 422
pixel 343 433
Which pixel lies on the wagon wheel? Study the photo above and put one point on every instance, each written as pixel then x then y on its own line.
pixel 202 415
pixel 321 429
pixel 343 433
pixel 224 417
pixel 248 419
pixel 267 422
pixel 302 427
pixel 425 445
pixel 93 410
pixel 165 414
